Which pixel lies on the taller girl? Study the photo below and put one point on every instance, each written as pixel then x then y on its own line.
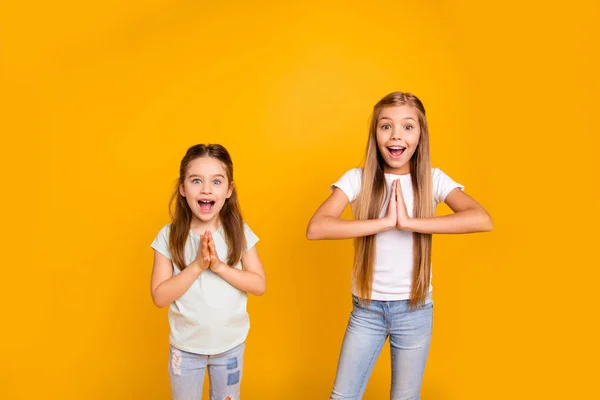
pixel 393 201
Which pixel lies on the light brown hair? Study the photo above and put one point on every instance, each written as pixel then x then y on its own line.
pixel 373 192
pixel 230 215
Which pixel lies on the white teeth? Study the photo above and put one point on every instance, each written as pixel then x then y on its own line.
pixel 205 201
pixel 396 148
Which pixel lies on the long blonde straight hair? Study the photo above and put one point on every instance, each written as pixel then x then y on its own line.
pixel 370 200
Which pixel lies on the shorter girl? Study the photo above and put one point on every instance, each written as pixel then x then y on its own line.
pixel 205 262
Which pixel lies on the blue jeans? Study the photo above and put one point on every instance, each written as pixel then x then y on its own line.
pixel 369 327
pixel 187 371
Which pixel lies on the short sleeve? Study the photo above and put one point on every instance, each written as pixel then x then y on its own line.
pixel 349 183
pixel 251 238
pixel 161 241
pixel 443 184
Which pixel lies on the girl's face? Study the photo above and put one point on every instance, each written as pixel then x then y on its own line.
pixel 398 133
pixel 206 188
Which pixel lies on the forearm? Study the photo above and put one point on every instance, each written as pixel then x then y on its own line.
pixel 173 288
pixel 337 228
pixel 468 221
pixel 245 281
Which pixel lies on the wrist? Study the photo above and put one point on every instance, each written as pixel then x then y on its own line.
pixel 196 266
pixel 407 225
pixel 219 267
pixel 387 224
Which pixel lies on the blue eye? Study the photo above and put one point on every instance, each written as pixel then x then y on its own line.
pixel 217 182
pixel 196 180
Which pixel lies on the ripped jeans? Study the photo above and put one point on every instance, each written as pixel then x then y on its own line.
pixel 187 371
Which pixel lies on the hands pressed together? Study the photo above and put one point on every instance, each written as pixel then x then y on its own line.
pixel 207 254
pixel 397 214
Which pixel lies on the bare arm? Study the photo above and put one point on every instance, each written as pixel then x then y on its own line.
pixel 251 278
pixel 165 287
pixel 468 217
pixel 327 224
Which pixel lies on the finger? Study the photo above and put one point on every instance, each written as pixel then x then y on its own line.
pixel 205 253
pixel 201 249
pixel 205 250
pixel 213 251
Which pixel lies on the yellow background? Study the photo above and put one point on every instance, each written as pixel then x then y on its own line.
pixel 100 100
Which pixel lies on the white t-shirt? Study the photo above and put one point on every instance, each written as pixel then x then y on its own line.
pixel 210 317
pixel 392 279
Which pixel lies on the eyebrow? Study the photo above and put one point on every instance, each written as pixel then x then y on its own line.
pixel 392 119
pixel 199 176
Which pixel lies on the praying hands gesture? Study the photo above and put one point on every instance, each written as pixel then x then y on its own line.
pixel 397 214
pixel 207 255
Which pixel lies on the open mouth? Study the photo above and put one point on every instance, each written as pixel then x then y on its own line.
pixel 396 151
pixel 206 206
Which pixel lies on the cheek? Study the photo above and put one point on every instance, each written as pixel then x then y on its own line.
pixel 414 138
pixel 381 139
pixel 223 192
pixel 185 190
pixel 190 201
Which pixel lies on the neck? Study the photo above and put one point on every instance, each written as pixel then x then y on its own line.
pixel 403 170
pixel 198 226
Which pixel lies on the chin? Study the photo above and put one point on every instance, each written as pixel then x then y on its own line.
pixel 205 217
pixel 395 164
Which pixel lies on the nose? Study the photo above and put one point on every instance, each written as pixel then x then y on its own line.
pixel 206 187
pixel 396 134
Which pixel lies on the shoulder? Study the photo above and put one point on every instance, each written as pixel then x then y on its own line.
pixel 354 172
pixel 353 175
pixel 349 183
pixel 443 184
pixel 247 227
pixel 438 174
pixel 165 231
pixel 251 237
pixel 161 241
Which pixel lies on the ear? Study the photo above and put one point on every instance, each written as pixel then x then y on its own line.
pixel 181 190
pixel 230 191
